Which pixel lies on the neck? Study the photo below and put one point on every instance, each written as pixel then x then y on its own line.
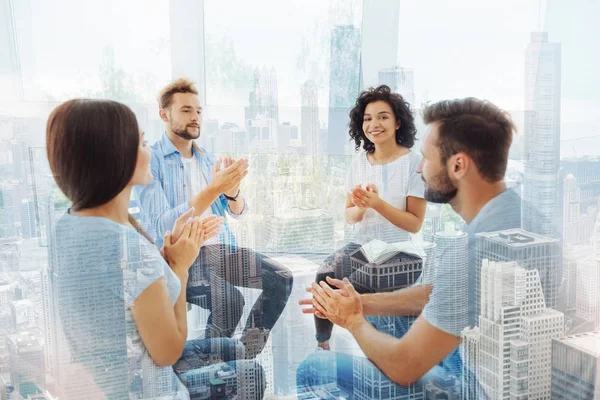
pixel 470 200
pixel 116 210
pixel 184 146
pixel 384 152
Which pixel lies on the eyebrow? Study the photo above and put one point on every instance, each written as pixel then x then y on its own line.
pixel 380 112
pixel 199 108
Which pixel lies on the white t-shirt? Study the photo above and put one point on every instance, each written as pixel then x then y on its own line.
pixel 395 181
pixel 195 182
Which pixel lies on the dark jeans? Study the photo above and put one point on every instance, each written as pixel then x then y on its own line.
pixel 220 357
pixel 230 266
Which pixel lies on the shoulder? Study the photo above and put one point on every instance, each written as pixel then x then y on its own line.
pixel 414 158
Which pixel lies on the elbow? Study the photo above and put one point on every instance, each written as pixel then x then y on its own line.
pixel 416 227
pixel 168 355
pixel 405 377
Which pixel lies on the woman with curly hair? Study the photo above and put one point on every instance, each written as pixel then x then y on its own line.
pixel 384 191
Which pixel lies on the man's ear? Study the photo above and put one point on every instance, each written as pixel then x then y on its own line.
pixel 458 165
pixel 163 115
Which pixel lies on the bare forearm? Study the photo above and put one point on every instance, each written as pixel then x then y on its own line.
pixel 354 215
pixel 409 301
pixel 402 219
pixel 380 348
pixel 202 201
pixel 180 305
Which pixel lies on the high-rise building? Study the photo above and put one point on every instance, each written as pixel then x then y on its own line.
pixel 542 137
pixel 531 251
pixel 508 355
pixel 400 80
pixel 588 291
pixel 309 124
pixel 451 262
pixel 264 99
pixel 586 170
pixel 344 85
pixel 571 210
pixel 576 367
pixel 28 221
pixel 26 363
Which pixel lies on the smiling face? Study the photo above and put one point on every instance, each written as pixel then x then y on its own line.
pixel 379 123
pixel 184 116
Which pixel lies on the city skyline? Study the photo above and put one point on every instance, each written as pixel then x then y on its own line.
pixel 291 122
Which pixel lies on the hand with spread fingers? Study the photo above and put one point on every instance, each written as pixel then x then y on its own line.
pixel 343 307
pixel 367 197
pixel 229 179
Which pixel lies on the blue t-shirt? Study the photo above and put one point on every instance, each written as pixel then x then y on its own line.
pixel 100 269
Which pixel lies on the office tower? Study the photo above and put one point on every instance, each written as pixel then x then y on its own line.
pixel 508 355
pixel 262 135
pixel 542 212
pixel 571 210
pixel 7 210
pixel 576 367
pixel 400 80
pixel 344 85
pixel 23 312
pixel 309 124
pixel 372 384
pixel 26 363
pixel 231 266
pixel 443 387
pixel 294 335
pixel 433 222
pixel 264 98
pixel 307 231
pixel 451 262
pixel 161 379
pixel 28 221
pixel 531 251
pixel 258 347
pixel 287 138
pixel 586 170
pixel 570 279
pixel 588 291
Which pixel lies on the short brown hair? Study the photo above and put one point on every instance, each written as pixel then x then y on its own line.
pixel 181 85
pixel 92 148
pixel 476 127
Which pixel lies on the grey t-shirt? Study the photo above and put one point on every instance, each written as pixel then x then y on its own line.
pixel 101 268
pixel 500 213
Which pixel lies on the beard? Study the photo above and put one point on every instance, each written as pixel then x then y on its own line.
pixel 444 192
pixel 183 132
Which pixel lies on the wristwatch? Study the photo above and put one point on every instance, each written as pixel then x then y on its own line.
pixel 234 198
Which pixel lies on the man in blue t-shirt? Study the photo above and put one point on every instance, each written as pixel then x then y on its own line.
pixel 465 155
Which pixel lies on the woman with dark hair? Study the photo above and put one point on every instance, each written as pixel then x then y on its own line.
pixel 384 191
pixel 121 308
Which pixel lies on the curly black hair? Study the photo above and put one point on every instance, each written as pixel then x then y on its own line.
pixel 405 135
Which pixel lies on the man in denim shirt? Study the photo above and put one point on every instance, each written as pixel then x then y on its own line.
pixel 186 176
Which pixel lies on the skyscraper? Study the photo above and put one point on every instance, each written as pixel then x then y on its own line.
pixel 571 209
pixel 508 355
pixel 344 85
pixel 531 251
pixel 588 291
pixel 586 169
pixel 542 137
pixel 576 367
pixel 400 80
pixel 26 363
pixel 264 98
pixel 309 124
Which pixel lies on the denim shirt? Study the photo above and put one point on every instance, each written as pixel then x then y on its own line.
pixel 165 199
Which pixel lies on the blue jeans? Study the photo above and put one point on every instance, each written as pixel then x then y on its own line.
pixel 331 375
